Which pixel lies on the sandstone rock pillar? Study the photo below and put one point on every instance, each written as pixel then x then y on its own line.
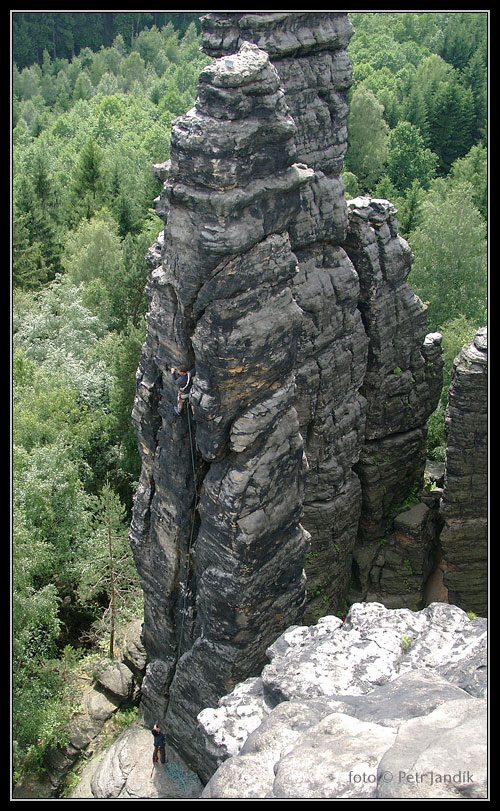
pixel 216 531
pixel 308 50
pixel 464 504
pixel 402 386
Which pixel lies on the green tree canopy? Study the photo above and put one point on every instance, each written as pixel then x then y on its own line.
pixel 368 133
pixel 408 160
pixel 450 269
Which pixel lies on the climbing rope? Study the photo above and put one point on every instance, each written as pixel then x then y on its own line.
pixel 190 543
pixel 181 780
pixel 192 452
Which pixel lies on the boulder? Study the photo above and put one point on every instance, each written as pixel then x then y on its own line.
pixel 115 678
pixel 126 771
pixel 379 706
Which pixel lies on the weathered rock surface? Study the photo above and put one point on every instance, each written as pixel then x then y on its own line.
pixel 402 386
pixel 126 772
pixel 464 505
pixel 308 52
pixel 116 684
pixel 254 282
pixel 383 705
pixel 216 530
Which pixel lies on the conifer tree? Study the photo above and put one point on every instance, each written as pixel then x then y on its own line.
pixel 87 175
pixel 108 568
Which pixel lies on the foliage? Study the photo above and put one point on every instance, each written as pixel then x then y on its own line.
pixel 425 69
pixel 108 567
pixel 408 159
pixel 368 137
pixel 60 34
pixel 450 269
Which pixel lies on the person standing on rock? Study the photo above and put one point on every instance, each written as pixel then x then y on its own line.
pixel 183 379
pixel 159 744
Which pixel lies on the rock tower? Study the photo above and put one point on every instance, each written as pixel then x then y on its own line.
pixel 464 504
pixel 295 311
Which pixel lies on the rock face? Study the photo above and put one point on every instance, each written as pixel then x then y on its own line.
pixel 402 386
pixel 308 51
pixel 295 311
pixel 464 505
pixel 126 772
pixel 390 704
pixel 216 531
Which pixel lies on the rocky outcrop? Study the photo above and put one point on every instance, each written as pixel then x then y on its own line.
pixel 228 294
pixel 126 772
pixel 216 531
pixel 116 684
pixel 389 704
pixel 254 282
pixel 402 386
pixel 308 51
pixel 464 505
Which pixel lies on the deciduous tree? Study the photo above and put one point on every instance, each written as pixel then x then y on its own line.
pixel 368 133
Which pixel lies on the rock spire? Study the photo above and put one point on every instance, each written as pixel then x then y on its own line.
pixel 295 311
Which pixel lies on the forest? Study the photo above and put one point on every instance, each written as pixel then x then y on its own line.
pixel 94 95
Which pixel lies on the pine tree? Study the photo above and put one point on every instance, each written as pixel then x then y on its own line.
pixel 108 568
pixel 415 111
pixel 28 266
pixel 38 230
pixel 451 124
pixel 87 175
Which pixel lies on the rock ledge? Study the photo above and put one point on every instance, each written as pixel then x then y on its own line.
pixel 388 704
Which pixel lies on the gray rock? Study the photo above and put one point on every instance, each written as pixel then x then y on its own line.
pixel 133 653
pixel 464 505
pixel 237 200
pixel 115 678
pixel 388 719
pixel 227 727
pixel 402 387
pixel 371 647
pixel 318 767
pixel 126 772
pixel 440 756
pixel 100 706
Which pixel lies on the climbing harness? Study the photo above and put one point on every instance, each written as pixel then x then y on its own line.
pixel 183 388
pixel 183 393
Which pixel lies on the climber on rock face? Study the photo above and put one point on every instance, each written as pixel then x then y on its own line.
pixel 183 379
pixel 159 744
